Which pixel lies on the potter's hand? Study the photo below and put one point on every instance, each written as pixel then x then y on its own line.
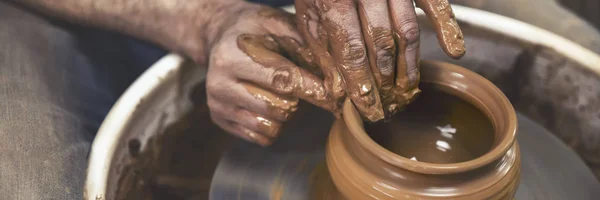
pixel 252 87
pixel 374 46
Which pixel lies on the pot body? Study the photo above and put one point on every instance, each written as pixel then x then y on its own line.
pixel 358 174
pixel 362 169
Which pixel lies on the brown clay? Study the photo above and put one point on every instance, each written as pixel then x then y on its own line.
pixel 316 38
pixel 362 169
pixel 377 93
pixel 405 90
pixel 277 105
pixel 267 127
pixel 363 92
pixel 381 47
pixel 449 34
pixel 382 38
pixel 300 55
pixel 169 166
pixel 271 51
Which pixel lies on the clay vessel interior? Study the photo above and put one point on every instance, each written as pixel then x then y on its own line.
pixel 458 140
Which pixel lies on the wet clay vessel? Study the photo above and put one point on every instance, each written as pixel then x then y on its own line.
pixel 362 169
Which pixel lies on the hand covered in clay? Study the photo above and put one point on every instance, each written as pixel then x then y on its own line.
pixel 258 71
pixel 370 48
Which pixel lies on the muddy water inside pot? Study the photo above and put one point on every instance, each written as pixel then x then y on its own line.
pixel 437 128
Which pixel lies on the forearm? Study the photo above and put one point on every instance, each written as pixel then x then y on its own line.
pixel 185 26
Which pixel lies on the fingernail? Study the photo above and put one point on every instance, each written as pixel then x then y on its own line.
pixel 373 116
pixel 272 100
pixel 459 51
pixel 412 95
pixel 365 90
pixel 286 115
pixel 369 105
pixel 283 80
pixel 392 108
pixel 456 40
pixel 279 113
pixel 268 127
pixel 403 98
pixel 258 138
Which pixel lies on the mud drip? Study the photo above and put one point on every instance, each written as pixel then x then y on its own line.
pixel 170 166
pixel 275 52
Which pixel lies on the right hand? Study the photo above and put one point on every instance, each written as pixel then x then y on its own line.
pixel 372 47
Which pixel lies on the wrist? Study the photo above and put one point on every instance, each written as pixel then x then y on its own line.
pixel 197 30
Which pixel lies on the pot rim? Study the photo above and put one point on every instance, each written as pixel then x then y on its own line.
pixel 350 115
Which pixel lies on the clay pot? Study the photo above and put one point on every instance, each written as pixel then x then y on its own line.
pixel 362 169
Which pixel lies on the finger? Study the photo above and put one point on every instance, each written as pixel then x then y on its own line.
pixel 315 37
pixel 306 57
pixel 298 54
pixel 342 24
pixel 377 30
pixel 264 125
pixel 279 22
pixel 251 98
pixel 241 132
pixel 251 120
pixel 406 29
pixel 449 34
pixel 307 19
pixel 278 107
pixel 269 70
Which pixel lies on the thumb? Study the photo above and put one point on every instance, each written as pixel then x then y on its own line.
pixel 280 75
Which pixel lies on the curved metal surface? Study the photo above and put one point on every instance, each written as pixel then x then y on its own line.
pixel 159 97
pixel 546 14
pixel 156 99
pixel 113 127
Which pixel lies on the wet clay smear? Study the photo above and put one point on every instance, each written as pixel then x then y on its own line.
pixel 437 128
pixel 177 163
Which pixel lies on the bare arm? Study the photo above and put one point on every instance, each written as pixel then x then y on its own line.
pixel 186 26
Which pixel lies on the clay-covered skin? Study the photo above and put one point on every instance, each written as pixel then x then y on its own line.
pixel 373 46
pixel 449 34
pixel 288 78
pixel 276 105
pixel 258 71
pixel 366 50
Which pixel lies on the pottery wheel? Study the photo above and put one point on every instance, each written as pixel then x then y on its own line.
pixel 288 169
